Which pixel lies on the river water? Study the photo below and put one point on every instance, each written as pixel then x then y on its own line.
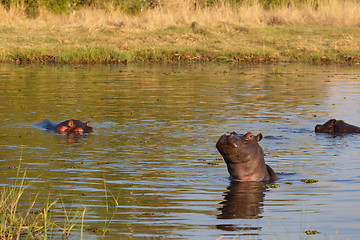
pixel 151 170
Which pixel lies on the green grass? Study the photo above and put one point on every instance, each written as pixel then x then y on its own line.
pixel 208 34
pixel 15 223
pixel 133 6
pixel 34 223
pixel 306 44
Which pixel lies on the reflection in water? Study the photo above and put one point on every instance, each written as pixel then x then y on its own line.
pixel 243 200
pixel 73 137
pixel 154 122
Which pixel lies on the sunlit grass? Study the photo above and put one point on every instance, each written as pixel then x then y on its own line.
pixel 176 31
pixel 34 223
pixel 15 223
pixel 182 13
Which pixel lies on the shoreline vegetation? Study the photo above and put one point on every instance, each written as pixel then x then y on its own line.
pixel 37 221
pixel 168 31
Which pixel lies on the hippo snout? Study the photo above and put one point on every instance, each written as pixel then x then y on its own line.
pixel 227 141
pixel 318 128
pixel 221 141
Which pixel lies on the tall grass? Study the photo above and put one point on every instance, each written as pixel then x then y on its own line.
pixel 155 14
pixel 183 30
pixel 17 223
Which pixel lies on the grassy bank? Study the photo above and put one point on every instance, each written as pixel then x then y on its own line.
pixel 176 31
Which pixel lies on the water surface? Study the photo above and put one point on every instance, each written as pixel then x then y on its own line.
pixel 154 146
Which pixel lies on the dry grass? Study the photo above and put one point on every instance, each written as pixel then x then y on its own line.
pixel 183 13
pixel 177 31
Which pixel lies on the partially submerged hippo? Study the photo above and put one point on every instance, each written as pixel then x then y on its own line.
pixel 67 127
pixel 245 158
pixel 336 126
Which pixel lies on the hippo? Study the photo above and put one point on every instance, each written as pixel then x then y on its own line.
pixel 67 127
pixel 336 126
pixel 245 158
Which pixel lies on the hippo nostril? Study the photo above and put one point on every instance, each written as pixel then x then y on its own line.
pixel 231 140
pixel 233 135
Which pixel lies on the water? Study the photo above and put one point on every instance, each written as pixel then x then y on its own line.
pixel 154 146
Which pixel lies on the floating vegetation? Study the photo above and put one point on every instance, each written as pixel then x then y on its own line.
pixel 69 166
pixel 289 183
pixel 94 229
pixel 144 214
pixel 309 180
pixel 272 185
pixel 312 232
pixel 213 163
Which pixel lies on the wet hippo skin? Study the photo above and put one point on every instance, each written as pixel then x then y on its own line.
pixel 67 127
pixel 336 126
pixel 245 158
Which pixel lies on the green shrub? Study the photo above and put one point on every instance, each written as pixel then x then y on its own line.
pixel 134 6
pixel 32 8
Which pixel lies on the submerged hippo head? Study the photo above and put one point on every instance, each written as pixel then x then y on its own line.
pixel 244 157
pixel 336 126
pixel 328 127
pixel 74 127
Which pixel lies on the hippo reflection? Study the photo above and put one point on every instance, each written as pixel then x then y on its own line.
pixel 336 126
pixel 244 200
pixel 245 158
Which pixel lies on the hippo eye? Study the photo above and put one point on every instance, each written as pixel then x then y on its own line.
pixel 249 137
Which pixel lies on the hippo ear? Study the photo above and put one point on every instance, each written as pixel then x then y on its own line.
pixel 71 124
pixel 87 123
pixel 259 137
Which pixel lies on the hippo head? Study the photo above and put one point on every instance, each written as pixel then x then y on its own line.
pixel 74 127
pixel 243 156
pixel 328 127
pixel 236 148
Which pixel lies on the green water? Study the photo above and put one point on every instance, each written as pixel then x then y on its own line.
pixel 154 145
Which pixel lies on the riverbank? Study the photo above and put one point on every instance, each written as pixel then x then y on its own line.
pixel 247 34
